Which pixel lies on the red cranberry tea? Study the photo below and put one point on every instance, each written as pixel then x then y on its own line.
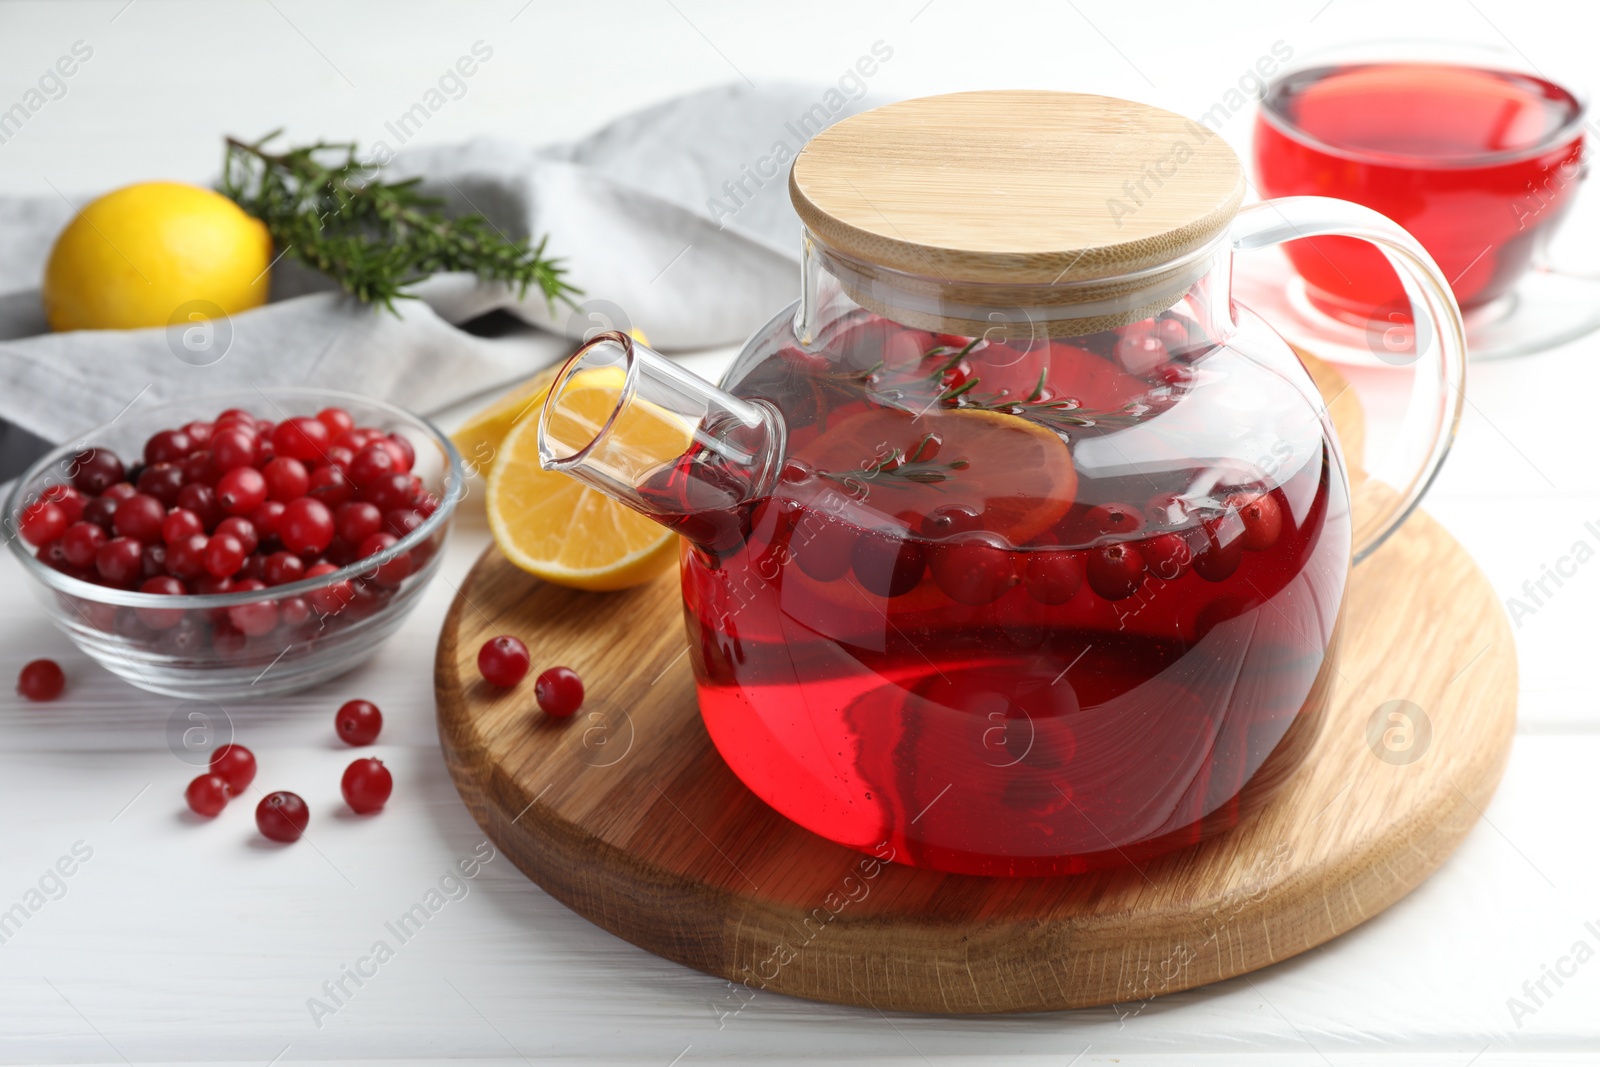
pixel 1013 608
pixel 1479 165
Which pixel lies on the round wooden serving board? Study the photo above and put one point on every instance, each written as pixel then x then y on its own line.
pixel 627 814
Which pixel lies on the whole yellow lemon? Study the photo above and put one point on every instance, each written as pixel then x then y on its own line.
pixel 135 256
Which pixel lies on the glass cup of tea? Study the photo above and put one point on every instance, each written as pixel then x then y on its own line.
pixel 1471 150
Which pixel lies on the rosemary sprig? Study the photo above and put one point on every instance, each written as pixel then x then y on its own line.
pixel 1063 414
pixel 918 467
pixel 927 390
pixel 954 356
pixel 374 238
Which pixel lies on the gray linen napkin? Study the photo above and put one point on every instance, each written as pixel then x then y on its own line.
pixel 663 218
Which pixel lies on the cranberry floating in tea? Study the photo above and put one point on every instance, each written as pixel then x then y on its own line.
pixel 1015 543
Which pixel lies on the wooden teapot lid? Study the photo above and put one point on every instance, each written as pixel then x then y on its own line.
pixel 1056 198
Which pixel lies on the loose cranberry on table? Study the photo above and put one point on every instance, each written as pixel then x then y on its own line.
pixel 366 785
pixel 237 766
pixel 503 661
pixel 282 817
pixel 41 680
pixel 358 722
pixel 207 795
pixel 559 692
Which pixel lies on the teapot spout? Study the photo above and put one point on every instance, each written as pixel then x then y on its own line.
pixel 627 421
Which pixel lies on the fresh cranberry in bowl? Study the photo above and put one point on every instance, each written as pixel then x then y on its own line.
pixel 301 438
pixel 198 549
pixel 168 446
pixel 42 522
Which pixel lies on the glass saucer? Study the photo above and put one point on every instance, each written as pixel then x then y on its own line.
pixel 1547 308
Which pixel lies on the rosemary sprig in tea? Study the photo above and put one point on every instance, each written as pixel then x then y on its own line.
pixel 919 467
pixel 1063 414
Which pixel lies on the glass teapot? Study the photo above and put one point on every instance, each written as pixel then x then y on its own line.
pixel 1015 545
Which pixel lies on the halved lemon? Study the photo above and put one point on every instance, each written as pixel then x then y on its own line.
pixel 480 437
pixel 554 526
pixel 1017 474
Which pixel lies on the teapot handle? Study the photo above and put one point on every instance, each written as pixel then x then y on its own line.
pixel 1439 352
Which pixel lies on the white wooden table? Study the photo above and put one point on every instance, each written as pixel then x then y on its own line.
pixel 184 942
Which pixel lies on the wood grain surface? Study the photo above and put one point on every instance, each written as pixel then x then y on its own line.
pixel 1017 186
pixel 1067 213
pixel 628 815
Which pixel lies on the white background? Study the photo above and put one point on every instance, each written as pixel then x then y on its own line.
pixel 184 942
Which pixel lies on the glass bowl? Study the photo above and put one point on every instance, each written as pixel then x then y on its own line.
pixel 190 645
